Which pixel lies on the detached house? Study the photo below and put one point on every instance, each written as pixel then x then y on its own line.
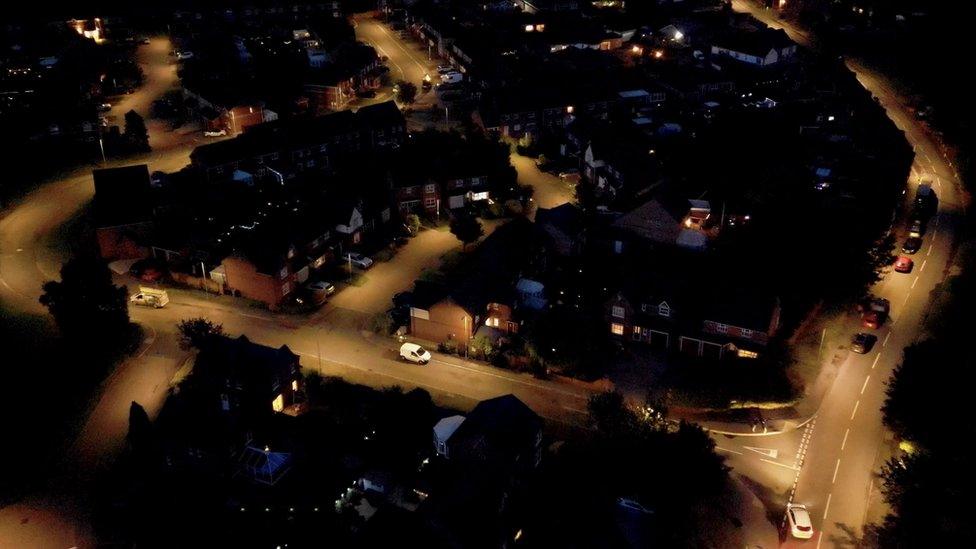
pixel 761 48
pixel 693 319
pixel 248 378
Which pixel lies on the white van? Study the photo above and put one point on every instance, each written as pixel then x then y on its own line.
pixel 411 352
pixel 150 297
pixel 451 78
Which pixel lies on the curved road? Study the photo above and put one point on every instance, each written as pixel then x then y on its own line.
pixel 831 464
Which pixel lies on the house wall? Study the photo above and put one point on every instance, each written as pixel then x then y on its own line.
pixel 445 320
pixel 119 242
pixel 243 277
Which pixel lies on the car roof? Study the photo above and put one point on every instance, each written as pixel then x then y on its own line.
pixel 410 346
pixel 800 515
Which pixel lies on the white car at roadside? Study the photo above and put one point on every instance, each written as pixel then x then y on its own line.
pixel 411 352
pixel 359 260
pixel 799 520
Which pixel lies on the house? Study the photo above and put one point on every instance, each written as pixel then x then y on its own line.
pixel 759 48
pixel 303 144
pixel 350 68
pixel 480 288
pixel 440 319
pixel 414 192
pixel 665 221
pixel 693 319
pixel 500 432
pixel 123 212
pixel 263 272
pixel 246 378
pixel 563 229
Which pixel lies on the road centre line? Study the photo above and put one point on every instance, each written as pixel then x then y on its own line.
pixel 914 282
pixel 856 404
pixel 819 538
pixel 885 343
pixel 827 507
pixel 865 386
pixel 922 268
pixel 844 443
pixel 836 468
pixel 928 253
pixel 875 363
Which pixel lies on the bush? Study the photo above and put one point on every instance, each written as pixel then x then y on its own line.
pixel 449 347
pixel 381 323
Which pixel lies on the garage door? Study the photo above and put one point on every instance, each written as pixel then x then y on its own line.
pixel 689 346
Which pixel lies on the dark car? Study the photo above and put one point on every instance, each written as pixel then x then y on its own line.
pixel 912 245
pixel 148 270
pixel 861 343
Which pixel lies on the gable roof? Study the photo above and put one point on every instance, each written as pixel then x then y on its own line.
pixel 567 218
pixel 503 425
pixel 757 43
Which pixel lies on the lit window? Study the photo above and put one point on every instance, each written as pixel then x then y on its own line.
pixel 637 330
pixel 294 385
pixel 618 311
pixel 617 329
pixel 429 188
pixel 278 404
pixel 745 332
pixel 747 354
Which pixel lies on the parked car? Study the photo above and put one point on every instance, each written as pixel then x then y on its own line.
pixel 181 55
pixel 444 69
pixel 358 260
pixel 452 77
pixel 874 311
pixel 912 244
pixel 917 228
pixel 799 519
pixel 104 107
pixel 861 343
pixel 904 264
pixel 322 288
pixel 411 352
pixel 215 133
pixel 632 505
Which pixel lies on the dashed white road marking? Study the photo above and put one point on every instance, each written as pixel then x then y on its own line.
pixel 836 468
pixel 827 507
pixel 922 268
pixel 865 386
pixel 914 282
pixel 856 404
pixel 875 363
pixel 819 538
pixel 844 443
pixel 885 343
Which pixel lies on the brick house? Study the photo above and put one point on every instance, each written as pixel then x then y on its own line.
pixel 674 320
pixel 123 212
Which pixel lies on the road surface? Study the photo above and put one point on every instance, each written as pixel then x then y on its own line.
pixel 831 464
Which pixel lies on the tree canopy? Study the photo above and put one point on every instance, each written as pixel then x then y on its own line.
pixel 467 229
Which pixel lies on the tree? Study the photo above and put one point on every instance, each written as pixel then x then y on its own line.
pixel 406 92
pixel 467 229
pixel 140 428
pixel 197 333
pixel 86 306
pixel 135 132
pixel 412 221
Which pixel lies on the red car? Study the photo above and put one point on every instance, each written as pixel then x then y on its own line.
pixel 904 264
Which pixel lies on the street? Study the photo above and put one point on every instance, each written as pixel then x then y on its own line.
pixel 828 463
pixel 841 450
